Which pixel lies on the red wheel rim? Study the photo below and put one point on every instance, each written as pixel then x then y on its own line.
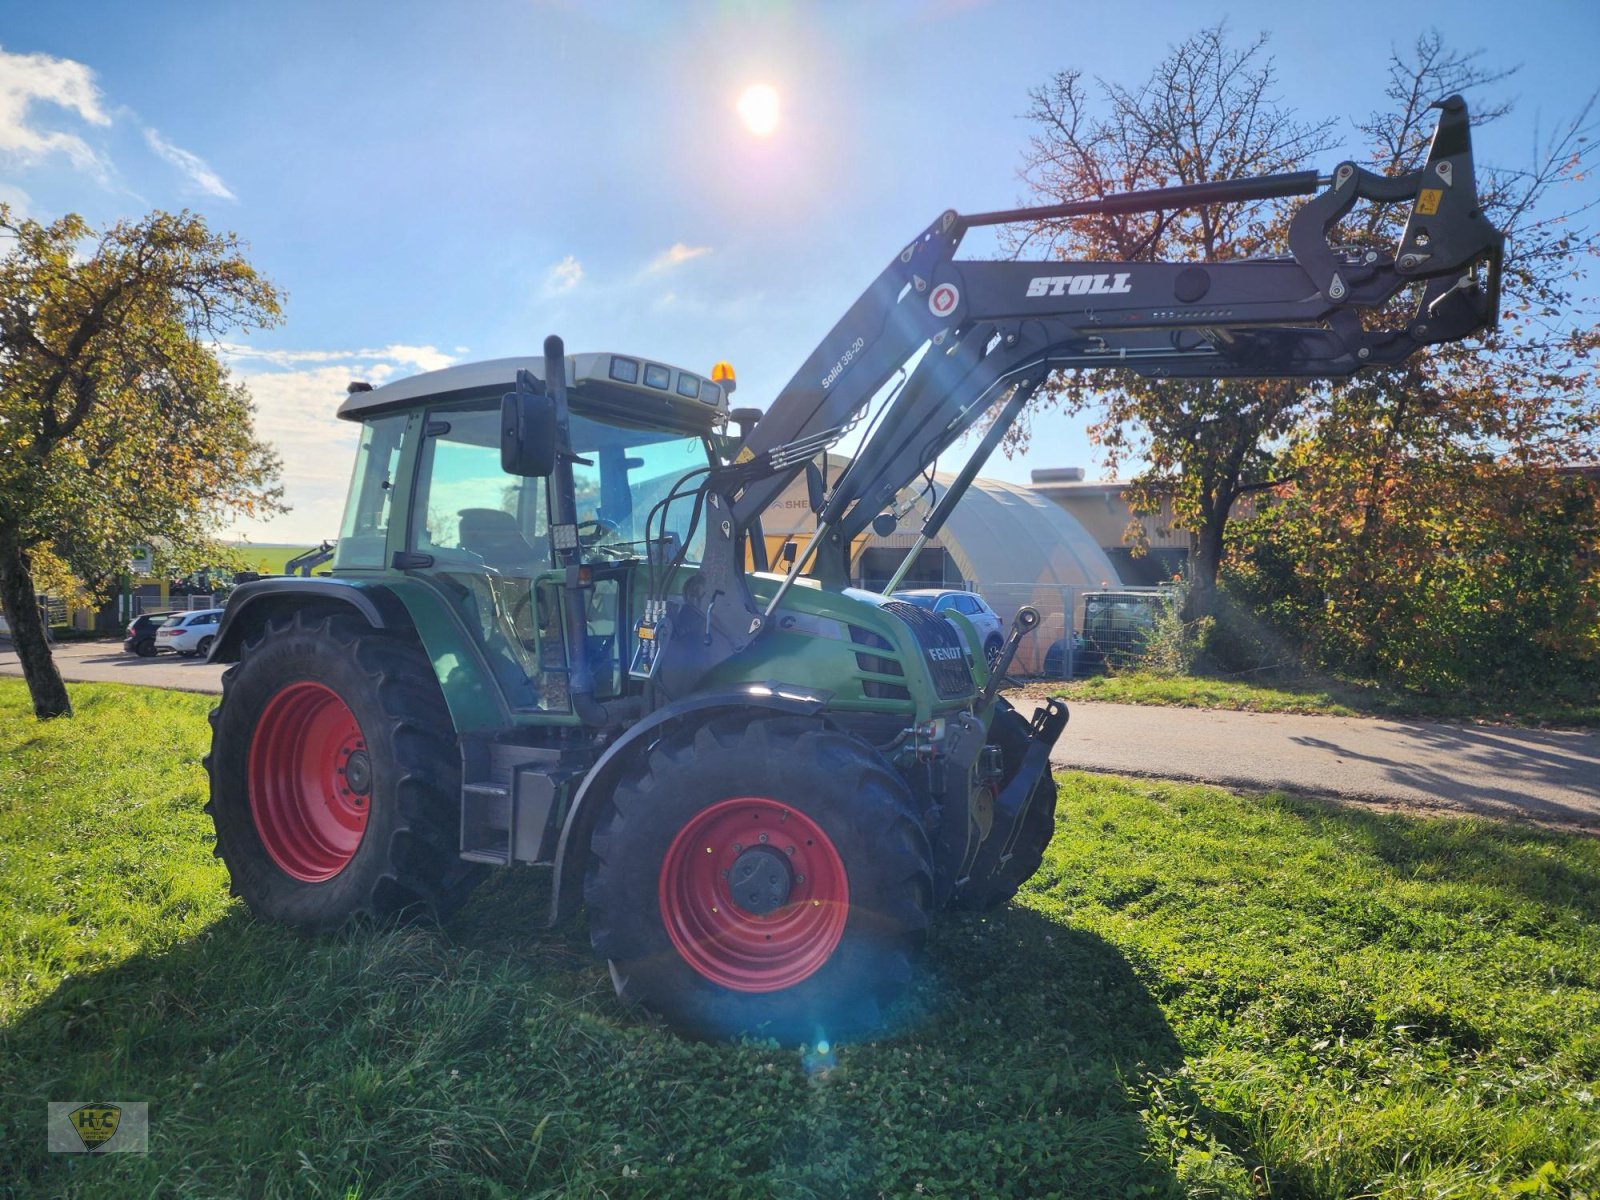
pixel 307 813
pixel 735 948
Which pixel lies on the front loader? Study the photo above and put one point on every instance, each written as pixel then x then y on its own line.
pixel 551 638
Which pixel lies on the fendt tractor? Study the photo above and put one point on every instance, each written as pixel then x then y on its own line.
pixel 552 636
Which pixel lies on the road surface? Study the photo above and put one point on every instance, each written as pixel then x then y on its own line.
pixel 1551 776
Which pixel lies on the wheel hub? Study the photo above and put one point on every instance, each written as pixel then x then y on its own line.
pixel 358 773
pixel 760 880
pixel 754 894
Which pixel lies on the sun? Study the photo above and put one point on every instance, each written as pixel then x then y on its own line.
pixel 758 109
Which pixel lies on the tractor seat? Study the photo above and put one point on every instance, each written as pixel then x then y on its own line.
pixel 493 535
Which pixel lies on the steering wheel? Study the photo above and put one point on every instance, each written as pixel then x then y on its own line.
pixel 598 529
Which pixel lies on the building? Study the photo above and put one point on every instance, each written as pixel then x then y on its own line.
pixel 1101 508
pixel 1008 543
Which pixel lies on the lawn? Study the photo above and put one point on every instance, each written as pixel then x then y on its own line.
pixel 1325 697
pixel 1200 995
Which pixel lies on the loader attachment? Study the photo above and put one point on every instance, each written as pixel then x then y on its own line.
pixel 968 335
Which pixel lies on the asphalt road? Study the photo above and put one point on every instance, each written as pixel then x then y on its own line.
pixel 1545 775
pixel 105 662
pixel 1550 776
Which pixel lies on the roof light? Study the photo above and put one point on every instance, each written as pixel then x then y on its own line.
pixel 688 386
pixel 625 370
pixel 657 376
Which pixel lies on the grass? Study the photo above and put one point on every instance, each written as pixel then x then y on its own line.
pixel 1200 995
pixel 1321 697
pixel 269 557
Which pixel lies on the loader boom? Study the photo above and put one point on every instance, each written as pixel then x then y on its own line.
pixel 968 334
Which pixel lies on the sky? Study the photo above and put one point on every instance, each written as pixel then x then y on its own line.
pixel 431 184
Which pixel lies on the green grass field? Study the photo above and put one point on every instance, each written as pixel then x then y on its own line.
pixel 1200 995
pixel 269 557
pixel 1327 698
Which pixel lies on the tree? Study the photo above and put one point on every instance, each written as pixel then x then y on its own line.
pixel 117 422
pixel 1527 397
pixel 1206 112
pixel 1429 536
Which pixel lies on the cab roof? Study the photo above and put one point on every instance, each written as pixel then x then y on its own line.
pixel 612 381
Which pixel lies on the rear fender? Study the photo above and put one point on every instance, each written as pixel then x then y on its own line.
pixel 402 606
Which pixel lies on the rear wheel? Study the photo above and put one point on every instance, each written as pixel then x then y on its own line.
pixel 145 647
pixel 993 882
pixel 334 783
pixel 760 877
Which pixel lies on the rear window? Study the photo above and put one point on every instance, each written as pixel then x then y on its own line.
pixel 919 601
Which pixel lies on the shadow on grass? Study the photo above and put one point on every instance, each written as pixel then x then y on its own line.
pixel 490 1058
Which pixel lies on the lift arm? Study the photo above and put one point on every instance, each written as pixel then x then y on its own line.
pixel 986 330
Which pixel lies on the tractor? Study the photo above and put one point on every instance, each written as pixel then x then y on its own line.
pixel 551 635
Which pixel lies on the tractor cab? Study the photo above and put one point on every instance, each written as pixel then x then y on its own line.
pixel 430 497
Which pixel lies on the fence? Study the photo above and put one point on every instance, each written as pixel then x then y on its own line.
pixel 1056 649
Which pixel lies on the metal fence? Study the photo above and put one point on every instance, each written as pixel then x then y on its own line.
pixel 1055 650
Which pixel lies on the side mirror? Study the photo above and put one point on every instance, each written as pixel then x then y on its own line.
pixel 528 429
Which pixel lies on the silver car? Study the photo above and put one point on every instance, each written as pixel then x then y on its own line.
pixel 970 605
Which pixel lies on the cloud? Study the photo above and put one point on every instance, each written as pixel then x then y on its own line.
pixel 297 393
pixel 29 79
pixel 675 255
pixel 564 276
pixel 423 358
pixel 192 165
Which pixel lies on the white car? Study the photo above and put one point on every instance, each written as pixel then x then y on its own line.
pixel 189 634
pixel 970 605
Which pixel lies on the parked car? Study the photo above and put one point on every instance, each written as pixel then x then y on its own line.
pixel 189 634
pixel 1116 626
pixel 141 639
pixel 970 605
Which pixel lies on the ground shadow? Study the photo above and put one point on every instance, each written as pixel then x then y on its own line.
pixel 1496 771
pixel 1013 1067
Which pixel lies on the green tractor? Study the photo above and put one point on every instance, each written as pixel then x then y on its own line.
pixel 551 637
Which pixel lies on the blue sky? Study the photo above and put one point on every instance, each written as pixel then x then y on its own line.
pixel 433 183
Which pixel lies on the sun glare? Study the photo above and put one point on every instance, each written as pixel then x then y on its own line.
pixel 758 109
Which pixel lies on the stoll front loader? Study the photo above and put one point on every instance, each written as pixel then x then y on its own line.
pixel 550 636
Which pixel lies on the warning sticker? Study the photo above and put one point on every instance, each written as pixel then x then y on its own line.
pixel 1428 201
pixel 944 299
pixel 745 455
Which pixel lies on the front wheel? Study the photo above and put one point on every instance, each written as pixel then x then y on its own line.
pixel 334 782
pixel 760 876
pixel 203 650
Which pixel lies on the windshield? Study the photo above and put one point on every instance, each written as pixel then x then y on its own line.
pixel 913 598
pixel 629 472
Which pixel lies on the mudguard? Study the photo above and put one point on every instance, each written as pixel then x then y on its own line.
pixel 374 602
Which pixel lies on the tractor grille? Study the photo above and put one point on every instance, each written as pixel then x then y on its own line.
pixel 941 646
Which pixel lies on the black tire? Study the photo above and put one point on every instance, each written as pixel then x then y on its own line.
pixel 785 773
pixel 203 650
pixel 992 883
pixel 145 647
pixel 405 862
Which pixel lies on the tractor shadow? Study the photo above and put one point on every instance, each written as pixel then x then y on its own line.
pixel 1017 1064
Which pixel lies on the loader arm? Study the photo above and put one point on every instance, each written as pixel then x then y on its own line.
pixel 988 330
